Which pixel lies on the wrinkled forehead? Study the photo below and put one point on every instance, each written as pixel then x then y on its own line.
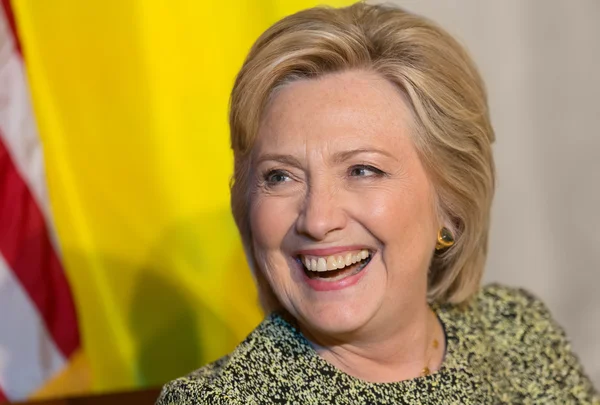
pixel 343 110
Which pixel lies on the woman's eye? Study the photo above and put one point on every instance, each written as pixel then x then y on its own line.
pixel 275 177
pixel 365 171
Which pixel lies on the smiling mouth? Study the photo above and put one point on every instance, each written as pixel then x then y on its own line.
pixel 335 268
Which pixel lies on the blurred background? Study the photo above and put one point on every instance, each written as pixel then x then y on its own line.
pixel 120 265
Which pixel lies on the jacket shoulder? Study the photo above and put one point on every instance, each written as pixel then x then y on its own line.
pixel 199 387
pixel 521 329
pixel 515 318
pixel 255 369
pixel 495 300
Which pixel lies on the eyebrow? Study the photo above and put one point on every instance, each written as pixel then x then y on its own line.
pixel 346 155
pixel 339 157
pixel 286 159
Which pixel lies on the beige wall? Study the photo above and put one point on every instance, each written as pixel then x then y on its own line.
pixel 541 62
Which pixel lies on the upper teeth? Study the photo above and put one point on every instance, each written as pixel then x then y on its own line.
pixel 324 263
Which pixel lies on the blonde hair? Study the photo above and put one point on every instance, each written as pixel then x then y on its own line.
pixel 452 129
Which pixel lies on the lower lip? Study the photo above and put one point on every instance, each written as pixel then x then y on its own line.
pixel 324 285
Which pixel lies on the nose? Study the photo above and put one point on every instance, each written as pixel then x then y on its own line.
pixel 322 213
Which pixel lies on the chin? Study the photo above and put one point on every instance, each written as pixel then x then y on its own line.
pixel 337 318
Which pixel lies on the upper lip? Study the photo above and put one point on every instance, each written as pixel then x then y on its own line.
pixel 329 251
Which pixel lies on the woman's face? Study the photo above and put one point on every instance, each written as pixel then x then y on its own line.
pixel 341 212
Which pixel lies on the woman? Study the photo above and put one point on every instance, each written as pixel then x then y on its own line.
pixel 362 189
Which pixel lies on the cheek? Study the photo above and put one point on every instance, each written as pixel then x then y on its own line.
pixel 403 219
pixel 397 210
pixel 270 220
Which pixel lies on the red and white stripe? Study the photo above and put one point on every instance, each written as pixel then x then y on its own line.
pixel 38 324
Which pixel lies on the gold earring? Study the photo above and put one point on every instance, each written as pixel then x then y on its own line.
pixel 444 239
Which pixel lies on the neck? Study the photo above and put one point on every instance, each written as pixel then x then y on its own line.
pixel 386 354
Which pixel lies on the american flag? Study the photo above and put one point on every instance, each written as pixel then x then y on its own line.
pixel 38 323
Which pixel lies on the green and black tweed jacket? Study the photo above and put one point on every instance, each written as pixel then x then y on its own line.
pixel 503 348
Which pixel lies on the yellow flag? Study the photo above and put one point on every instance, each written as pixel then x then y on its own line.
pixel 130 98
